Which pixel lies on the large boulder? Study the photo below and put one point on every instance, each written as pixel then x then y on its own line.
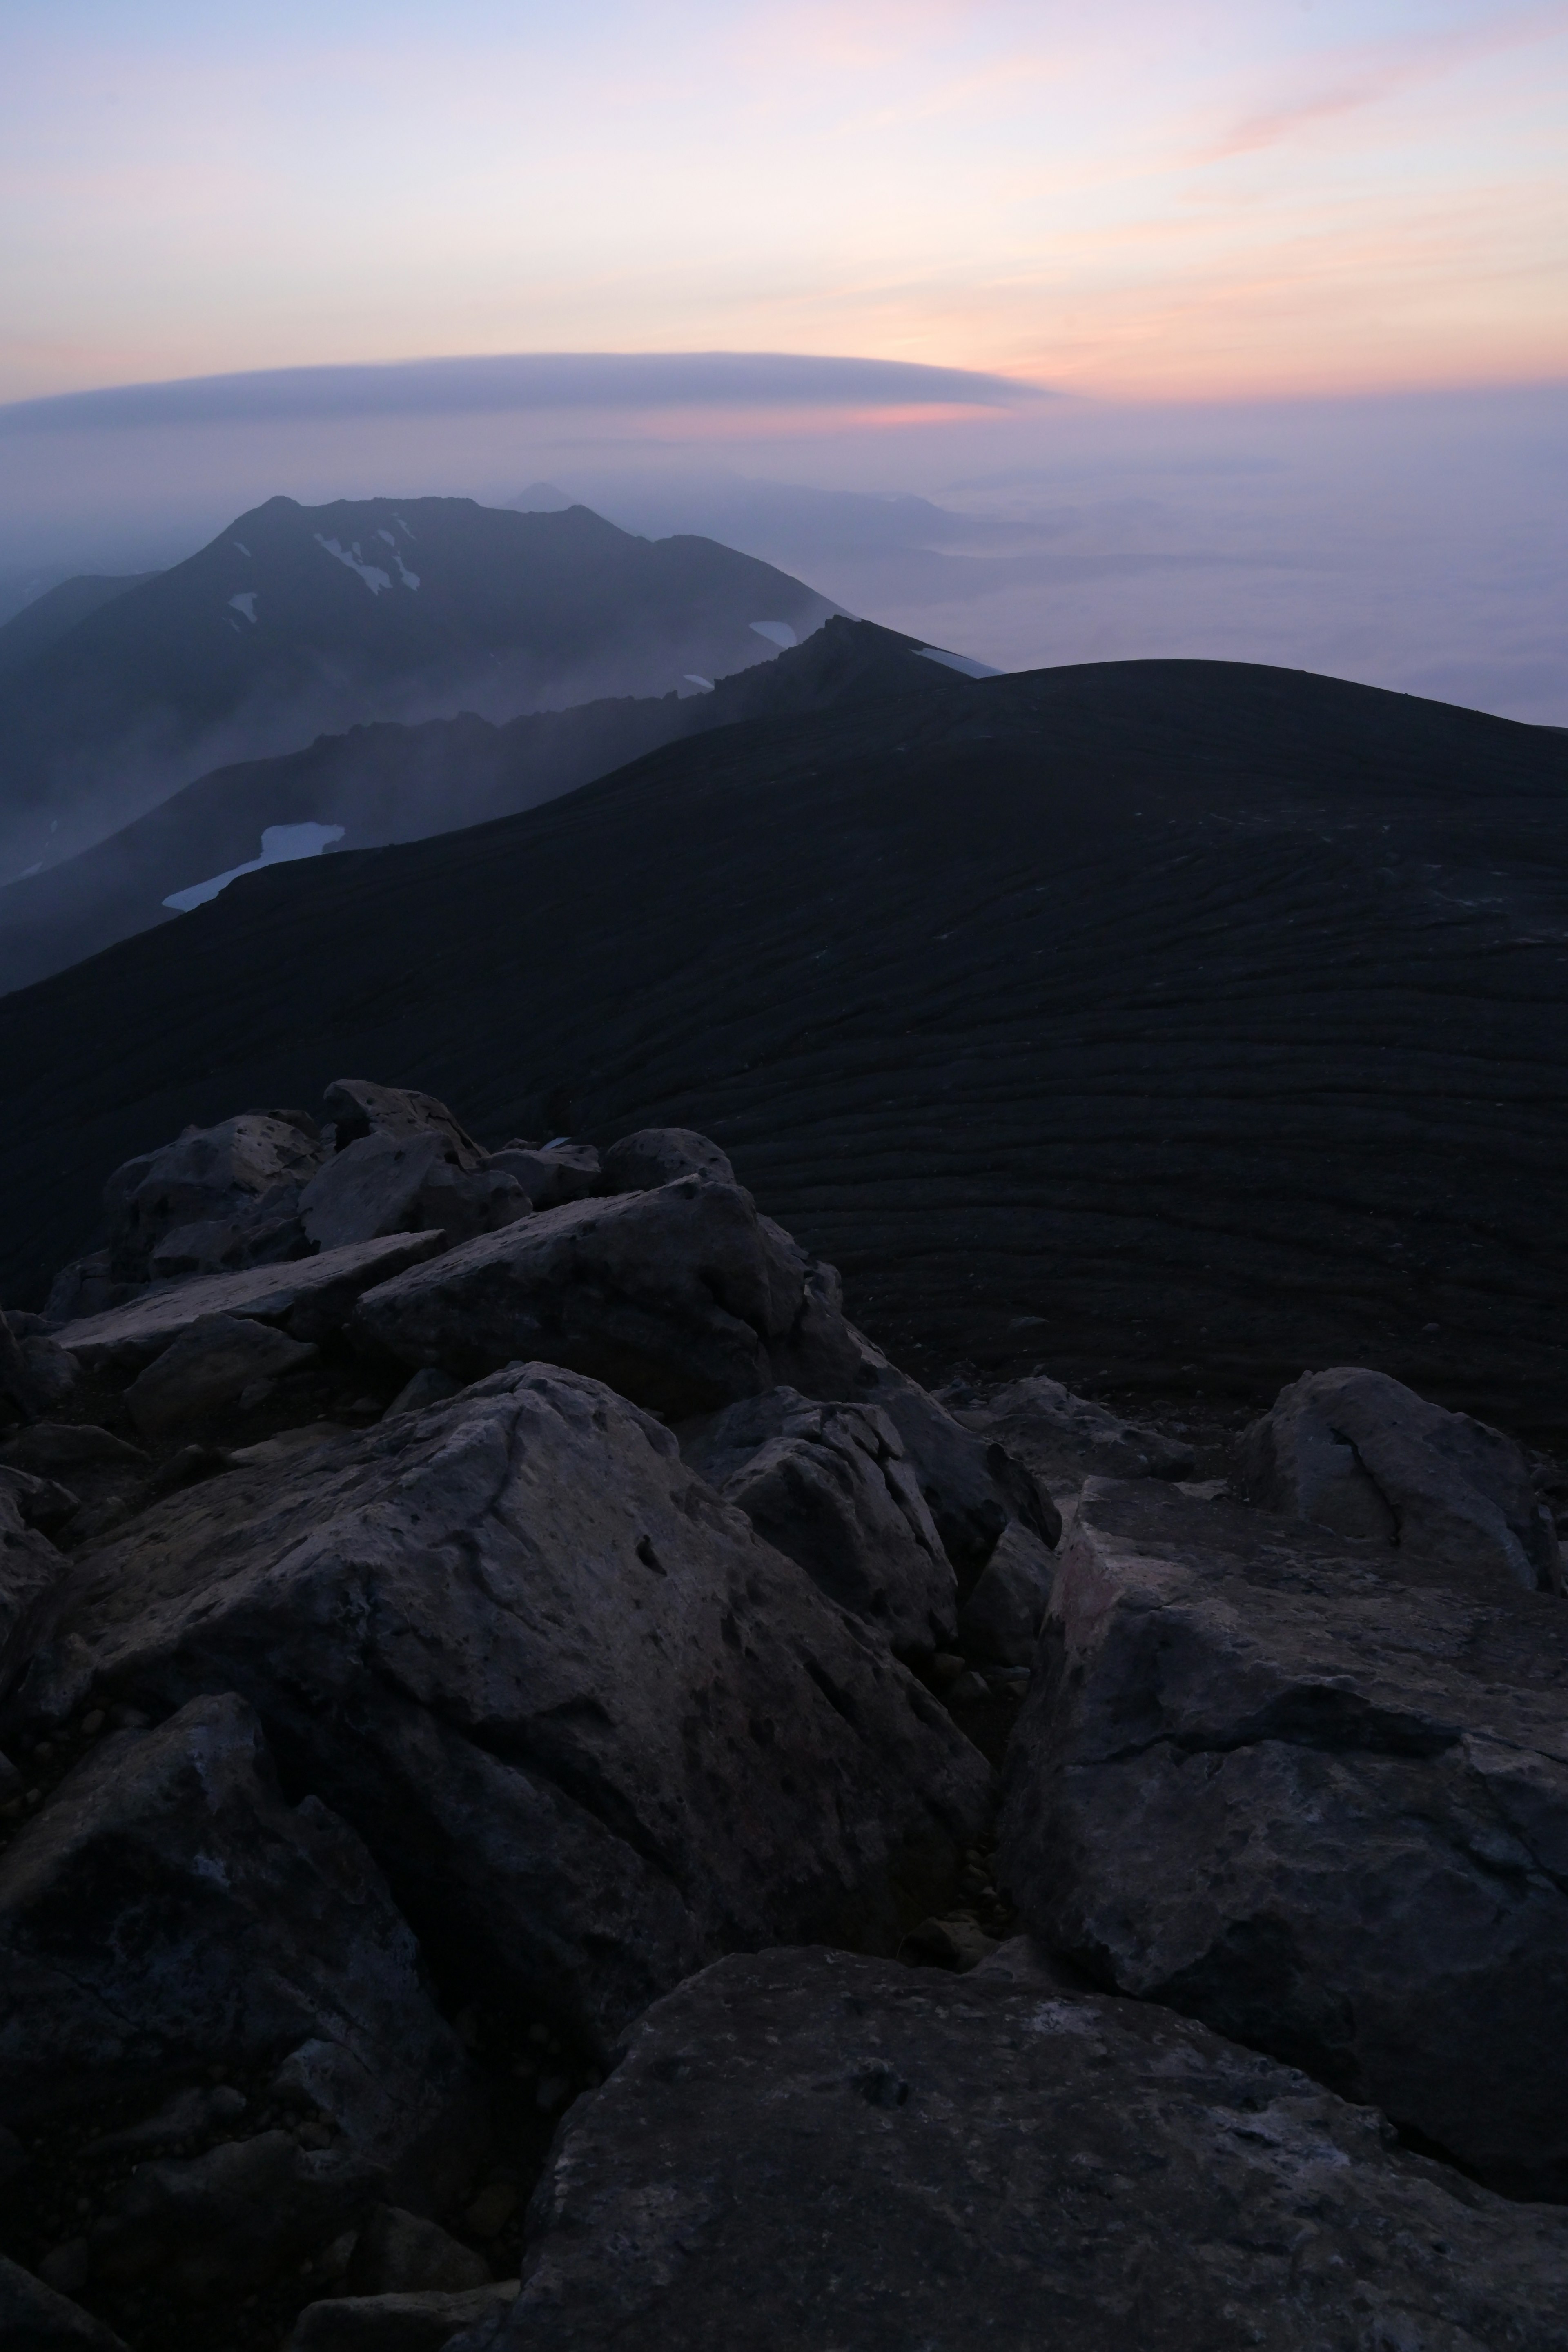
pixel 1315 1793
pixel 675 1298
pixel 213 1364
pixel 803 2149
pixel 387 1183
pixel 167 1913
pixel 594 1729
pixel 1064 1439
pixel 35 2318
pixel 551 1173
pixel 310 1299
pixel 657 1155
pixel 1360 1453
pixel 357 1108
pixel 243 1174
pixel 830 1485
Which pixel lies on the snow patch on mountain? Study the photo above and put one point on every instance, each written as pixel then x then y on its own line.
pixel 280 845
pixel 244 603
pixel 374 578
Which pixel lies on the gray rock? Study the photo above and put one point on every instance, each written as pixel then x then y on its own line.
pixel 35 2317
pixel 673 1297
pixel 166 1910
pixel 657 1155
pixel 974 1485
pixel 1064 1439
pixel 312 1298
pixel 592 1728
pixel 389 1183
pixel 403 2253
pixel 32 1583
pixel 358 1108
pixel 267 1233
pixel 19 1399
pixel 429 1387
pixel 41 1503
pixel 51 1445
pixel 51 1373
pixel 1358 1453
pixel 218 2223
pixel 829 1486
pixel 886 2159
pixel 551 1173
pixel 1000 1622
pixel 396 2323
pixel 1317 1794
pixel 213 1174
pixel 207 1369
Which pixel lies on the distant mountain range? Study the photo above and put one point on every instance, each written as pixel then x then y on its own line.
pixel 389 782
pixel 297 620
pixel 1173 1024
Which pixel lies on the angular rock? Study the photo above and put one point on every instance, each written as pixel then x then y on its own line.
pixel 657 1155
pixel 974 1485
pixel 397 2323
pixel 211 1174
pixel 35 2318
pixel 403 2253
pixel 829 1486
pixel 207 1369
pixel 881 2158
pixel 41 1503
pixel 167 1910
pixel 673 1297
pixel 359 1109
pixel 49 1371
pixel 1360 1453
pixel 310 1298
pixel 1317 1794
pixel 551 1173
pixel 592 1728
pixel 32 1575
pixel 1064 1439
pixel 51 1445
pixel 1001 1619
pixel 218 2223
pixel 389 1183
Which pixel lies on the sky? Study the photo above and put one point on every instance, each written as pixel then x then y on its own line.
pixel 1229 328
pixel 1149 199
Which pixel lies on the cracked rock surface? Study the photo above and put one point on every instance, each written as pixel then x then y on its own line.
pixel 594 1729
pixel 1315 1793
pixel 803 2149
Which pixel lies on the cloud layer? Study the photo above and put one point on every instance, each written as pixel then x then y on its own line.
pixel 503 384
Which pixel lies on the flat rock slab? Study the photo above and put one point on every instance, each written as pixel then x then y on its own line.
pixel 310 1295
pixel 592 1728
pixel 808 2151
pixel 1315 1792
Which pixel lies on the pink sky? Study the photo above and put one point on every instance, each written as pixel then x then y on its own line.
pixel 1197 199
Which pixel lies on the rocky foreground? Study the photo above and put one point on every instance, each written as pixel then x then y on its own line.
pixel 553 1798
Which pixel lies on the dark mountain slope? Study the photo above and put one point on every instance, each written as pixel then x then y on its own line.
pixel 38 625
pixel 297 619
pixel 391 783
pixel 1128 1018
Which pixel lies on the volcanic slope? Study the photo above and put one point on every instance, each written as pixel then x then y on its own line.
pixel 396 783
pixel 1159 1021
pixel 299 619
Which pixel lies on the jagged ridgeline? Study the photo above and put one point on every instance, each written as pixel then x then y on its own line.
pixel 552 1795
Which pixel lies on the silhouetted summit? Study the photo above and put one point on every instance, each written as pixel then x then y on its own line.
pixel 296 619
